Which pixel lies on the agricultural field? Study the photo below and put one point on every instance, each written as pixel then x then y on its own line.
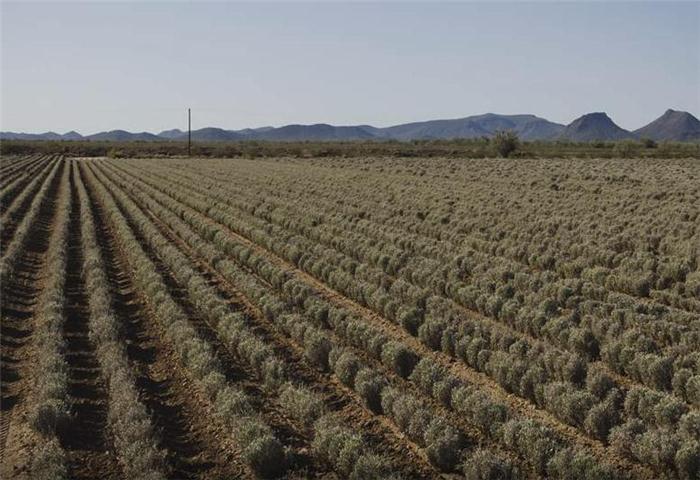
pixel 350 318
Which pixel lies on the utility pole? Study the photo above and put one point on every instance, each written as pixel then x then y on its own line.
pixel 189 132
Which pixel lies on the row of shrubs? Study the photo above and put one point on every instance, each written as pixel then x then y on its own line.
pixel 261 449
pixel 15 179
pixel 37 193
pixel 590 401
pixel 238 336
pixel 392 354
pixel 135 440
pixel 566 331
pixel 50 408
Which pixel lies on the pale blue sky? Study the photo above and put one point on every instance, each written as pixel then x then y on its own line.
pixel 138 66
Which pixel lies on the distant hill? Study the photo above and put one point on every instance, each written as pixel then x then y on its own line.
pixel 672 125
pixel 40 136
pixel 72 135
pixel 212 134
pixel 320 131
pixel 123 136
pixel 594 126
pixel 172 134
pixel 528 127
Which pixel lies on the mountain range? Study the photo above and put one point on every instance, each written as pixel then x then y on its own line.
pixel 672 125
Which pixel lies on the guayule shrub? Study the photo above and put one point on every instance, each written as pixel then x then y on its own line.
pixel 261 449
pixel 482 464
pixel 600 420
pixel 531 440
pixel 669 411
pixel 317 347
pixel 570 405
pixel 487 415
pixel 598 382
pixel 337 445
pixel 692 389
pixel 346 368
pixel 274 373
pixel 656 447
pixel 369 386
pixel 687 460
pixel 427 373
pixel 49 462
pixel 442 390
pixel 372 467
pixel 443 444
pixel 399 358
pixel 623 437
pixel 569 465
pixel 679 382
pixel 689 426
pixel 430 333
pixel 304 405
pixel 231 403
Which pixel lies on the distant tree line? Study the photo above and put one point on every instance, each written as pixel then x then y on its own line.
pixel 503 144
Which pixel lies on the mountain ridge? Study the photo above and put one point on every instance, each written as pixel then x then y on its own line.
pixel 597 126
pixel 672 125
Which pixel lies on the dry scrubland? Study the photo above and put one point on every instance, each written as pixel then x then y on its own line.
pixel 350 318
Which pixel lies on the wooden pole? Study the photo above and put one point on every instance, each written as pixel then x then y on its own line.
pixel 189 132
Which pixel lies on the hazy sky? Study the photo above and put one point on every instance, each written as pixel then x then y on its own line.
pixel 138 66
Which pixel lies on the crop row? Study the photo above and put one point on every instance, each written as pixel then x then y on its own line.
pixel 11 171
pixel 129 421
pixel 20 235
pixel 50 409
pixel 12 186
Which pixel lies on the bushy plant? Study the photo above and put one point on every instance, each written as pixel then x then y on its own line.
pixel 482 464
pixel 369 386
pixel 687 460
pixel 304 405
pixel 505 143
pixel 49 462
pixel 399 358
pixel 346 368
pixel 443 444
pixel 261 450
